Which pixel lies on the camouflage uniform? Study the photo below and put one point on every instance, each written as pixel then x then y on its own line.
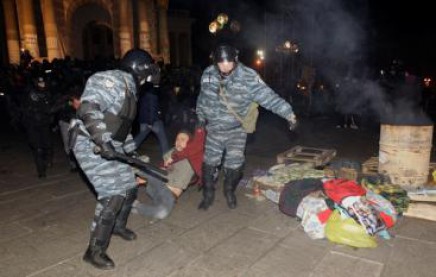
pixel 105 96
pixel 224 131
pixel 225 134
pixel 108 177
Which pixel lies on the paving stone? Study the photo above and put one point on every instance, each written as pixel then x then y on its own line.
pixel 149 236
pixel 34 252
pixel 159 261
pixel 275 222
pixel 233 256
pixel 416 229
pixel 380 254
pixel 189 217
pixel 31 195
pixel 72 267
pixel 12 230
pixel 282 261
pixel 65 270
pixel 212 232
pixel 210 267
pixel 295 255
pixel 336 264
pixel 411 257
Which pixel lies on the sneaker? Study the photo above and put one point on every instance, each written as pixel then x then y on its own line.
pixel 354 126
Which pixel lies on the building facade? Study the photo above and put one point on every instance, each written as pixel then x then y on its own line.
pixel 87 29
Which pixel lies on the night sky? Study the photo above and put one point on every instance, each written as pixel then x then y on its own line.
pixel 390 29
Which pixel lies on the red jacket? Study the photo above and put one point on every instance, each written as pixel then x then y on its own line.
pixel 194 152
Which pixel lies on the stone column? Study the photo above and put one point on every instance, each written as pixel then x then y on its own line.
pixel 26 19
pixel 51 31
pixel 163 30
pixel 144 28
pixel 152 13
pixel 12 37
pixel 126 42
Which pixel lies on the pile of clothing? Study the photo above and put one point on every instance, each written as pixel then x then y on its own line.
pixel 340 210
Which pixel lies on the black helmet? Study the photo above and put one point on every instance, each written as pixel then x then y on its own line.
pixel 137 62
pixel 225 52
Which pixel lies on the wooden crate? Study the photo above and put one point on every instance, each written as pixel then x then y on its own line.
pixel 343 173
pixel 370 166
pixel 316 156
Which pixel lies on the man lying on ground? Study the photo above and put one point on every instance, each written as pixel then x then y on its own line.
pixel 183 163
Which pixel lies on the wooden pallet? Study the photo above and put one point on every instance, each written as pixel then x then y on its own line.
pixel 316 156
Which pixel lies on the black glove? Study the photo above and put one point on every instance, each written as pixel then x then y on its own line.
pixel 133 154
pixel 293 125
pixel 107 151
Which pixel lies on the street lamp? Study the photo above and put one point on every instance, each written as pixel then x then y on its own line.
pixel 221 21
pixel 288 49
pixel 260 57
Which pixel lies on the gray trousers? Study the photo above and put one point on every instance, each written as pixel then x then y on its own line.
pixel 163 201
pixel 230 143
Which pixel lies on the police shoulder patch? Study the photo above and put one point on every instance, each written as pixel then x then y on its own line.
pixel 109 83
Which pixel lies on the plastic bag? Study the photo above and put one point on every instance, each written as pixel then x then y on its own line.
pixel 348 232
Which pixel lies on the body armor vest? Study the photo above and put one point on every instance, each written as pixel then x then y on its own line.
pixel 120 124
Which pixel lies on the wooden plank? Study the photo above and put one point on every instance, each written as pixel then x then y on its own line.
pixel 422 211
pixel 422 198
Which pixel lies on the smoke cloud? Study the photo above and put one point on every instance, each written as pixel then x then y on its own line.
pixel 333 38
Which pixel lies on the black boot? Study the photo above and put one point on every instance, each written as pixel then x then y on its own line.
pixel 121 221
pixel 40 161
pixel 209 178
pixel 100 237
pixel 231 180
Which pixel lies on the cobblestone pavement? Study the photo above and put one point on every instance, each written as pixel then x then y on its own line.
pixel 44 226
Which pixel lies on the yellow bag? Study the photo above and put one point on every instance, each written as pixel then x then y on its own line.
pixel 348 232
pixel 250 120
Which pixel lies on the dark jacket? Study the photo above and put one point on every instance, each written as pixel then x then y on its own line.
pixel 149 109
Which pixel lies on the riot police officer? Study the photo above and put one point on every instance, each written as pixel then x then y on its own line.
pixel 37 118
pixel 221 115
pixel 106 113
